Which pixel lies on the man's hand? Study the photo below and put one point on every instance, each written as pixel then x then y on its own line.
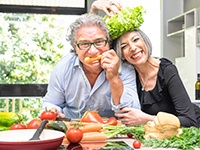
pixel 110 63
pixel 58 113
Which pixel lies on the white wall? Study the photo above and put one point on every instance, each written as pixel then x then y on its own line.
pixel 151 25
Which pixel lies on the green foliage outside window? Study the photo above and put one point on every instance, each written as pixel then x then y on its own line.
pixel 30 46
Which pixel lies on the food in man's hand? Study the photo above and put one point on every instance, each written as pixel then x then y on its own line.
pixel 163 126
pixel 91 59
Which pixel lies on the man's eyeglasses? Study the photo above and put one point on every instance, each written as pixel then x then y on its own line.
pixel 87 45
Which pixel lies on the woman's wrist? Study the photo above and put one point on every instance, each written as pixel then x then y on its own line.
pixel 93 8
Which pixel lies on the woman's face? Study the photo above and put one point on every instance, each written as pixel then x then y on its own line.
pixel 133 48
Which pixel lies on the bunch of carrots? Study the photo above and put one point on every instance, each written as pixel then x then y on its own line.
pixel 91 131
pixel 91 125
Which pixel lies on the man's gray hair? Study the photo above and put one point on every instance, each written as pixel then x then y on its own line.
pixel 145 38
pixel 86 20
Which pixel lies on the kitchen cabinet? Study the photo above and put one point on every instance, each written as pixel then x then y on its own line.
pixel 177 25
pixel 184 31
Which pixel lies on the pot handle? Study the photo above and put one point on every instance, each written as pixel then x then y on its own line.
pixel 39 130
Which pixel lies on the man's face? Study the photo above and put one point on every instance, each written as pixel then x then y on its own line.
pixel 85 35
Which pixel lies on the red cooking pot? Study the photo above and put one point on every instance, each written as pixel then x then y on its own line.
pixel 19 140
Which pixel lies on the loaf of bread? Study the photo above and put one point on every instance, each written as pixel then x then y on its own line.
pixel 163 126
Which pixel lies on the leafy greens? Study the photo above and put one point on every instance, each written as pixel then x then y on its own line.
pixel 188 140
pixel 126 20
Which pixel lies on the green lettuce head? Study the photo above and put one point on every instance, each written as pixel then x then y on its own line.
pixel 127 19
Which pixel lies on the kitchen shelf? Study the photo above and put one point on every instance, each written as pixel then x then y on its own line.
pixel 178 24
pixel 183 32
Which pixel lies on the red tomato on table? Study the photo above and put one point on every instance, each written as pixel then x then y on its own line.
pixel 136 144
pixel 48 115
pixel 18 126
pixel 74 135
pixel 129 135
pixel 91 116
pixel 34 124
pixel 112 121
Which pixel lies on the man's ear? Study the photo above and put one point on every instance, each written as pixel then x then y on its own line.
pixel 75 47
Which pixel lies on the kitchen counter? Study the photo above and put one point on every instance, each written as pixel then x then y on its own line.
pixel 128 141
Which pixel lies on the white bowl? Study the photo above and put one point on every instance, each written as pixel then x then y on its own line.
pixel 19 140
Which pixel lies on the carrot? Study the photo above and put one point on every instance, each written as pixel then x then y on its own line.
pixel 91 127
pixel 94 136
pixel 91 59
pixel 86 127
pixel 93 145
pixel 89 137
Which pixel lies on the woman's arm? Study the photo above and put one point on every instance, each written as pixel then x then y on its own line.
pixel 179 96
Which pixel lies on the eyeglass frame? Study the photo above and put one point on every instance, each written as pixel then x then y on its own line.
pixel 92 43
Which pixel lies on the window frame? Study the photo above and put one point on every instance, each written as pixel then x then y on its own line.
pixel 23 90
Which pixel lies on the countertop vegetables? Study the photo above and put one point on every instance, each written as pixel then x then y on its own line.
pixel 57 125
pixel 113 131
pixel 188 140
pixel 93 116
pixel 74 135
pixel 34 123
pixel 18 126
pixel 137 144
pixel 47 115
pixel 7 119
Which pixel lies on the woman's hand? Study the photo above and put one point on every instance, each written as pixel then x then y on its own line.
pixel 58 113
pixel 132 117
pixel 109 7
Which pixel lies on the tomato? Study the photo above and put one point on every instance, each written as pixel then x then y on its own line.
pixel 18 126
pixel 74 135
pixel 34 124
pixel 91 116
pixel 112 121
pixel 129 135
pixel 136 144
pixel 48 115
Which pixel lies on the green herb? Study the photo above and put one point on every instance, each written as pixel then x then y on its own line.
pixel 126 20
pixel 113 131
pixel 116 144
pixel 188 140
